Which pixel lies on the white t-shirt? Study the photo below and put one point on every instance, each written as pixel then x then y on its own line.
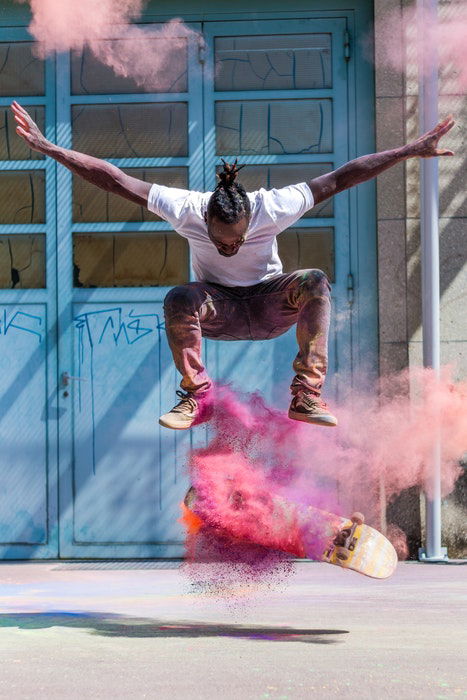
pixel 257 260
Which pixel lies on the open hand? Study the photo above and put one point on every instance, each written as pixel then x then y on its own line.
pixel 426 146
pixel 28 129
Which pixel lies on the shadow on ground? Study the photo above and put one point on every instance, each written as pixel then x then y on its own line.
pixel 111 625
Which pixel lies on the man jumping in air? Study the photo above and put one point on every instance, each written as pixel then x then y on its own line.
pixel 241 292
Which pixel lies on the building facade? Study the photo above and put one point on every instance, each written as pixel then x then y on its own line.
pixel 87 472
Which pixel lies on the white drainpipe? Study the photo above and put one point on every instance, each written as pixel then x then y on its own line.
pixel 427 14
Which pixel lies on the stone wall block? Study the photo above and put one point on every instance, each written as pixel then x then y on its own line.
pixel 390 133
pixel 409 33
pixel 389 79
pixel 455 354
pixel 394 357
pixel 452 353
pixel 392 281
pixel 453 169
pixel 412 166
pixel 453 279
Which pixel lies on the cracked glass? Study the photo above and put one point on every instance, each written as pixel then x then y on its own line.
pixel 22 261
pixel 22 197
pixel 21 73
pixel 263 127
pixel 131 130
pixel 12 147
pixel 282 62
pixel 130 260
pixel 304 248
pixel 253 177
pixel 89 76
pixel 93 204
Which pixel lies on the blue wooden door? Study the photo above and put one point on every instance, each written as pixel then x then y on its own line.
pixel 278 102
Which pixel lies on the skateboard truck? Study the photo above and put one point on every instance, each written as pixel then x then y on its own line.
pixel 344 542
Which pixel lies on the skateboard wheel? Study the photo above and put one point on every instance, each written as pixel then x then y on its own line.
pixel 358 518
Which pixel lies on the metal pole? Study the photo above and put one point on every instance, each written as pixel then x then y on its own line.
pixel 427 16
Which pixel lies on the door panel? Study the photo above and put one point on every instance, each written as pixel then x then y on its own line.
pixel 23 424
pixel 122 475
pixel 272 61
pixel 124 463
pixel 29 409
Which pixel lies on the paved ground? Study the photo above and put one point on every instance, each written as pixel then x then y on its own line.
pixel 67 631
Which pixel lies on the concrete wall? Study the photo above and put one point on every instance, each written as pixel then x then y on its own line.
pixel 399 274
pixel 398 207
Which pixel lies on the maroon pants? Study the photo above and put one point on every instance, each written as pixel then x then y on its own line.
pixel 263 311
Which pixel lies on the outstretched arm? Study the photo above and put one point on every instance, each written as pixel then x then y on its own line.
pixel 105 175
pixel 368 167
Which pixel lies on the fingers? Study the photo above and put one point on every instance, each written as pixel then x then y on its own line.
pixel 22 118
pixel 444 126
pixel 20 112
pixel 17 109
pixel 22 122
pixel 21 132
pixel 444 152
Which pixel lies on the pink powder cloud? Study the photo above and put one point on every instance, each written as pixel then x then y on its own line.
pixel 422 39
pixel 383 445
pixel 140 53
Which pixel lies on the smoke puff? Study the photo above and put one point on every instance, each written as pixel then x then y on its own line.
pixel 142 54
pixel 421 38
pixel 382 446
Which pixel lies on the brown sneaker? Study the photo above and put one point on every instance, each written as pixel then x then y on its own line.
pixel 183 415
pixel 311 409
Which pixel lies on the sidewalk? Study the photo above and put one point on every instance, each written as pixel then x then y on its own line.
pixel 130 630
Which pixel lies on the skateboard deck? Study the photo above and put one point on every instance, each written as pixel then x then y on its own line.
pixel 350 545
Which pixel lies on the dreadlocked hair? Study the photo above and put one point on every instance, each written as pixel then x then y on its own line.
pixel 229 201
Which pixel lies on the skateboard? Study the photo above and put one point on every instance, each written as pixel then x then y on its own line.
pixel 350 545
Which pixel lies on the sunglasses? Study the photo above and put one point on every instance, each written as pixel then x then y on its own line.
pixel 227 247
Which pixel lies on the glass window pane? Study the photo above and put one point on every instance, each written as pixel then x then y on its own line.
pixel 283 62
pixel 253 177
pixel 303 248
pixel 131 130
pixel 21 73
pixel 12 147
pixel 22 262
pixel 130 260
pixel 22 197
pixel 93 204
pixel 262 127
pixel 92 77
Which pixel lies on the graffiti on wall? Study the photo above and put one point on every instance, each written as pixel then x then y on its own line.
pixel 21 322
